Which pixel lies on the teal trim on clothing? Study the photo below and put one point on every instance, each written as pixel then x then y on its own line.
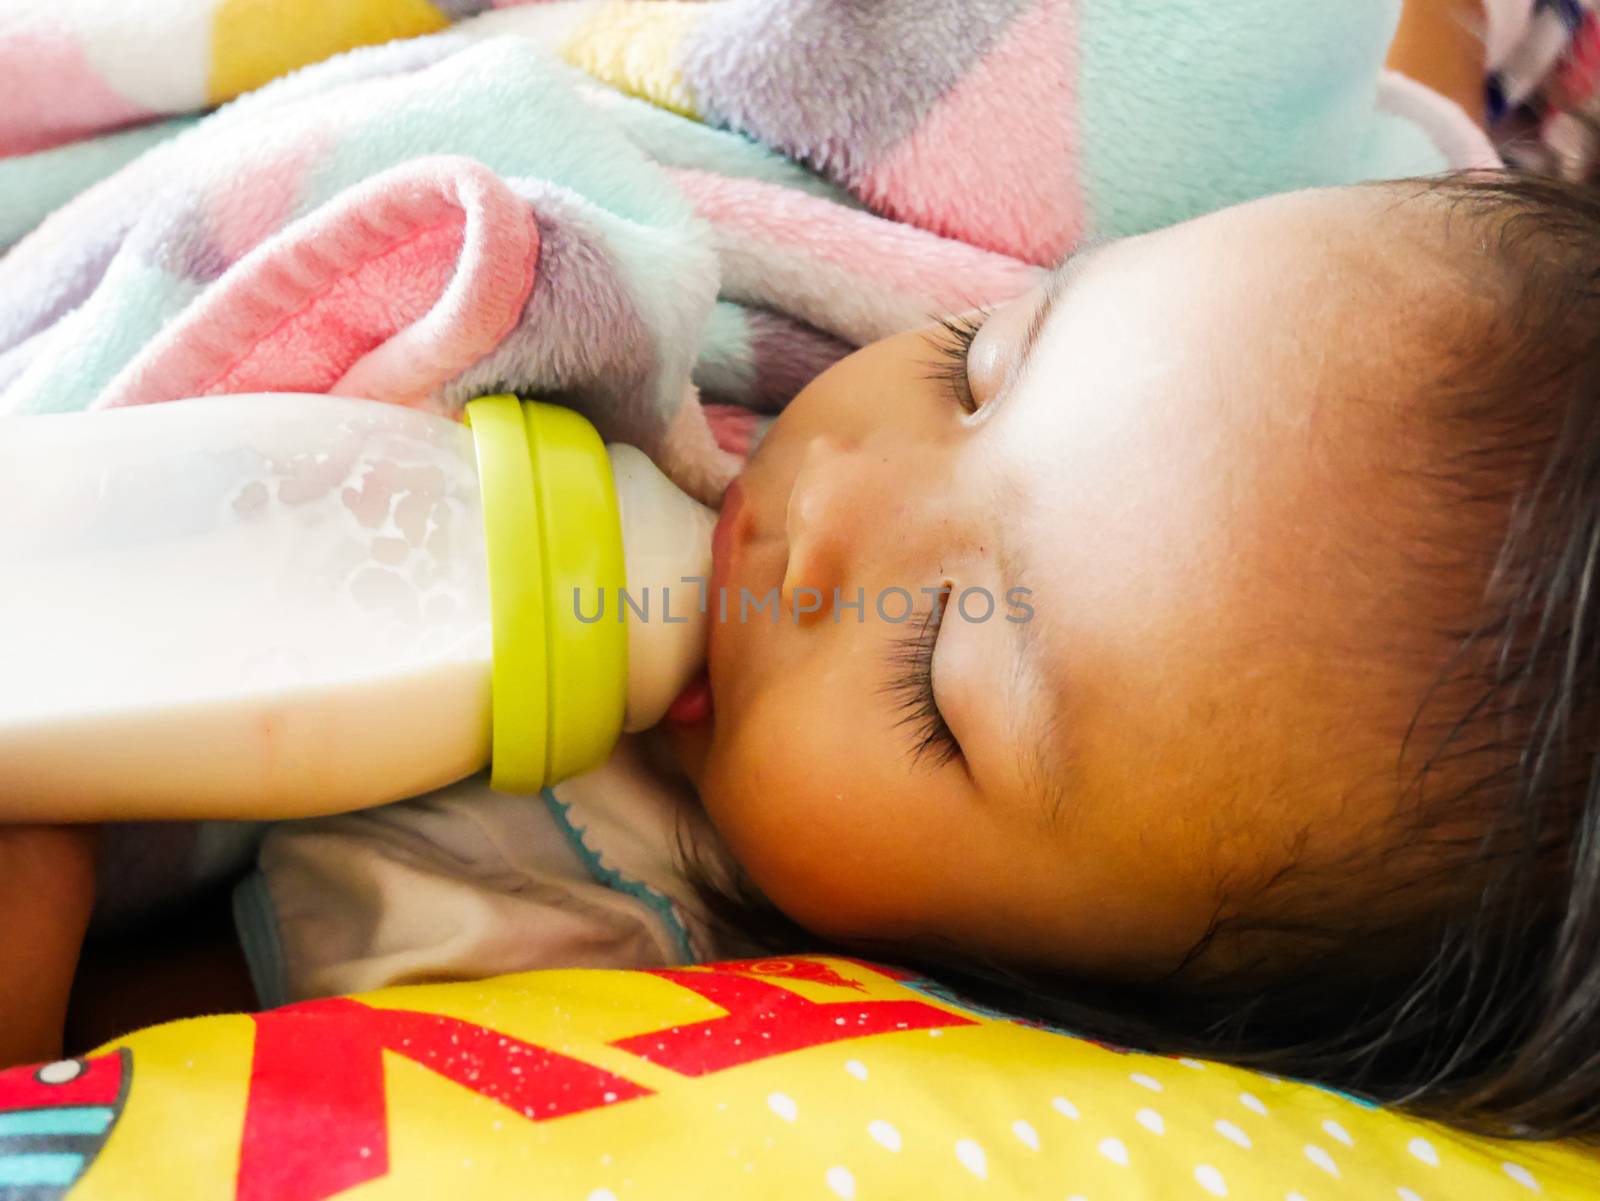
pixel 256 920
pixel 78 1119
pixel 658 903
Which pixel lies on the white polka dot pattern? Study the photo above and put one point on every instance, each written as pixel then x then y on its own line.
pixel 1522 1176
pixel 783 1105
pixel 1232 1133
pixel 1322 1159
pixel 1337 1132
pixel 971 1157
pixel 1211 1180
pixel 1422 1149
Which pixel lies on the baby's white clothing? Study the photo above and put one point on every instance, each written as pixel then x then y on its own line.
pixel 466 883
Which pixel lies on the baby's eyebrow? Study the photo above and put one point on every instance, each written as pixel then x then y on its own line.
pixel 1056 286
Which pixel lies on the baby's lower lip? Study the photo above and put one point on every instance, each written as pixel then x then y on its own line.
pixel 693 704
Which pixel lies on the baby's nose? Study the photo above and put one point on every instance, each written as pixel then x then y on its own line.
pixel 818 525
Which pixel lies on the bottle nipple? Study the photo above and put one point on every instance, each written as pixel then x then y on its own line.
pixel 666 547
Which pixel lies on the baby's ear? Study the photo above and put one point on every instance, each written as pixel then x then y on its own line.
pixel 1023 125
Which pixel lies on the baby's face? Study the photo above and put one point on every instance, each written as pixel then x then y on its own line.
pixel 1187 458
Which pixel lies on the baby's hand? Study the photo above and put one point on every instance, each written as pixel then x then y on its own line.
pixel 46 891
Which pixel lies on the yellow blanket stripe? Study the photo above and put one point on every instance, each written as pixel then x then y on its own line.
pixel 254 41
pixel 633 46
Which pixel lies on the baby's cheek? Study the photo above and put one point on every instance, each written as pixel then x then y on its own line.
pixel 799 818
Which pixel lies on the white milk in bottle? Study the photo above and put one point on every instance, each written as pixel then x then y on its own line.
pixel 265 606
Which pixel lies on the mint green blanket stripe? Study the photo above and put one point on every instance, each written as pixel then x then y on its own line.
pixel 32 186
pixel 1182 112
pixel 125 312
pixel 565 145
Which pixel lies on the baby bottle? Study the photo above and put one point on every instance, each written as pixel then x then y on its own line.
pixel 283 605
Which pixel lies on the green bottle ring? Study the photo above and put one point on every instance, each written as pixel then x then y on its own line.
pixel 553 538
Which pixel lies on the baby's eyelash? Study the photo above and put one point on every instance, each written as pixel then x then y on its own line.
pixel 912 689
pixel 952 342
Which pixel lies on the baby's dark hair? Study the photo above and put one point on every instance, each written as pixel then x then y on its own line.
pixel 1471 992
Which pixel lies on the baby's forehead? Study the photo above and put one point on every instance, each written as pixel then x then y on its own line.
pixel 1396 237
pixel 1327 315
pixel 1283 347
pixel 1371 283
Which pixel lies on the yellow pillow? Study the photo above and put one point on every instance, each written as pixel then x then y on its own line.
pixel 803 1078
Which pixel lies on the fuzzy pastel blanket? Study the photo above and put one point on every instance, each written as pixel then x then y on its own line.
pixel 627 206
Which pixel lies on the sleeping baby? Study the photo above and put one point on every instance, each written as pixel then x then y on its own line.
pixel 1285 756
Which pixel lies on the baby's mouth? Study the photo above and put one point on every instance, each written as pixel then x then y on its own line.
pixel 693 704
pixel 730 539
